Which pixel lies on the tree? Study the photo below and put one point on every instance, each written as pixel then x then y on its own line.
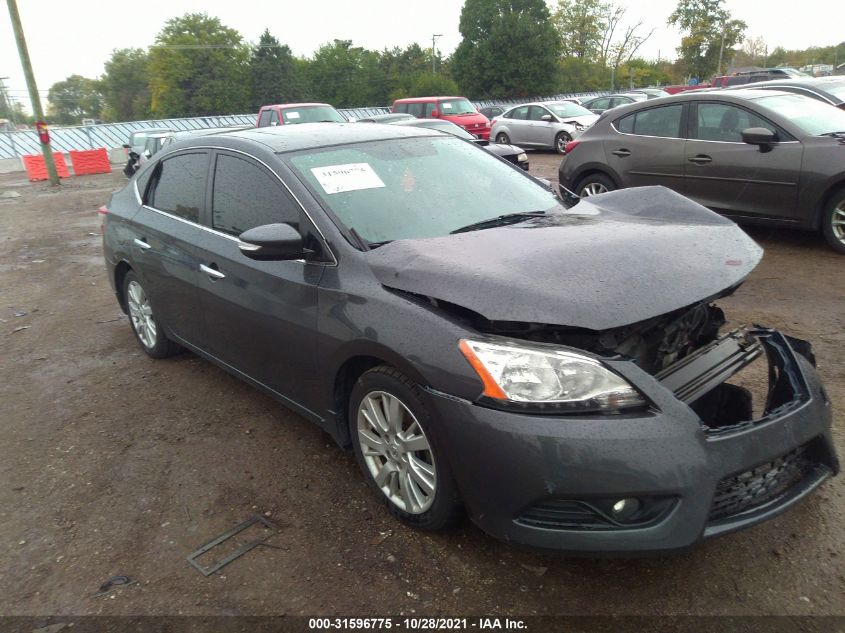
pixel 581 25
pixel 428 83
pixel 347 76
pixel 74 99
pixel 198 67
pixel 710 35
pixel 125 85
pixel 510 48
pixel 273 73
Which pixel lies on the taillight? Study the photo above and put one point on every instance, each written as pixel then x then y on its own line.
pixel 570 146
pixel 493 121
pixel 103 211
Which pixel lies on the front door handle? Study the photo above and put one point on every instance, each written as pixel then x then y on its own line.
pixel 142 244
pixel 701 159
pixel 212 272
pixel 622 152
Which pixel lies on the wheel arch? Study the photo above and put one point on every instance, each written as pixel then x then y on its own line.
pixel 120 272
pixel 830 191
pixel 357 361
pixel 589 170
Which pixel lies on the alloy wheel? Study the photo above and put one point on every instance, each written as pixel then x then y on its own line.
pixel 396 452
pixel 592 189
pixel 141 314
pixel 502 139
pixel 837 221
pixel 562 140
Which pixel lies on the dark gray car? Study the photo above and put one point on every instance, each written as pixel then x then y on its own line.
pixel 477 345
pixel 756 155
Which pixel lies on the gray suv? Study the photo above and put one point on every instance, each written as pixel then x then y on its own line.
pixel 755 155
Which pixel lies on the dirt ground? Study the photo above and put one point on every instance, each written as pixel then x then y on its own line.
pixel 112 463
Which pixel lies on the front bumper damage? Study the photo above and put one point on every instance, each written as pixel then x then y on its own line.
pixel 695 465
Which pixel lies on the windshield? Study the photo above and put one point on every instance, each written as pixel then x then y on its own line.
pixel 419 187
pixel 567 109
pixel 449 107
pixel 312 114
pixel 812 116
pixel 834 88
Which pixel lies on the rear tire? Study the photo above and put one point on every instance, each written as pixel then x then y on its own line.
pixel 503 139
pixel 147 330
pixel 833 222
pixel 594 184
pixel 395 446
pixel 560 142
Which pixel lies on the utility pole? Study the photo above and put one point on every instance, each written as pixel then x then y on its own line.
pixel 721 49
pixel 33 89
pixel 434 50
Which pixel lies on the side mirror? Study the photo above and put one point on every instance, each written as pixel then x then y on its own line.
pixel 435 114
pixel 759 136
pixel 568 198
pixel 547 118
pixel 272 242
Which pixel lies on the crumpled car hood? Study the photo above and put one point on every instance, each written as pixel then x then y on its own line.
pixel 612 260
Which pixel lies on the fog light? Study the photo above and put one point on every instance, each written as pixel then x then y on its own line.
pixel 625 507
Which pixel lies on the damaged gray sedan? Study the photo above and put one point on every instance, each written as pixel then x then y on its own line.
pixel 563 376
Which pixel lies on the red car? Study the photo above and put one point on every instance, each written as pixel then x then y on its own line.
pixel 289 113
pixel 458 110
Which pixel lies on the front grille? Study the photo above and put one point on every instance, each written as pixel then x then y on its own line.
pixel 765 483
pixel 563 514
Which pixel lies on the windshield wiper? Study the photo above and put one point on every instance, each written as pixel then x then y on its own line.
pixel 502 220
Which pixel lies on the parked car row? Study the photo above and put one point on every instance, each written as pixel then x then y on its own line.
pixel 757 155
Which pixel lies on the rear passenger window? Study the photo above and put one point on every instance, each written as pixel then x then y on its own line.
pixel 179 186
pixel 246 195
pixel 429 108
pixel 401 107
pixel 264 119
pixel 663 122
pixel 416 109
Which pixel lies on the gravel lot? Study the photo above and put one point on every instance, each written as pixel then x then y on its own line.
pixel 112 463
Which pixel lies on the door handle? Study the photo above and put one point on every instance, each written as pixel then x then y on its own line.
pixel 212 272
pixel 142 244
pixel 701 159
pixel 622 153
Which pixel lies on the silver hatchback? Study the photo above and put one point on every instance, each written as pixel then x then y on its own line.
pixel 547 124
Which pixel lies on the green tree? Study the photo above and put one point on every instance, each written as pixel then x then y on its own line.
pixel 74 99
pixel 198 67
pixel 347 76
pixel 581 25
pixel 709 35
pixel 510 48
pixel 429 84
pixel 125 85
pixel 273 73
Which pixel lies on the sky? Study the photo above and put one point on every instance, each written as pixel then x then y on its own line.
pixel 66 38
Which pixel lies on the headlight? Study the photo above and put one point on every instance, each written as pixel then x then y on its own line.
pixel 528 375
pixel 521 158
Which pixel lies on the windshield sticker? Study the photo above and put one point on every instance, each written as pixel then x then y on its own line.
pixel 292 115
pixel 447 106
pixel 351 177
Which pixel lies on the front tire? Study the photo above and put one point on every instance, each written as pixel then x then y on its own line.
pixel 560 142
pixel 593 185
pixel 833 222
pixel 391 429
pixel 503 139
pixel 147 330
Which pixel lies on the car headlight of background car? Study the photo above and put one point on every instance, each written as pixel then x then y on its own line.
pixel 521 158
pixel 543 378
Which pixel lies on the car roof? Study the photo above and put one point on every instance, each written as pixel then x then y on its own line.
pixel 295 105
pixel 415 99
pixel 817 83
pixel 292 138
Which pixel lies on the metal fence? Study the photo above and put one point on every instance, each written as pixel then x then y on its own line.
pixel 114 135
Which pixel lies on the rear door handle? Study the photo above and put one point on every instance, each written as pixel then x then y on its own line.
pixel 142 244
pixel 212 272
pixel 701 159
pixel 622 153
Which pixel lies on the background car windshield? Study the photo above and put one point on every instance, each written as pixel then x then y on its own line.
pixel 456 106
pixel 416 187
pixel 564 110
pixel 812 116
pixel 312 114
pixel 835 88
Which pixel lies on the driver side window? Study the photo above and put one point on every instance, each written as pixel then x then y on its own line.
pixel 725 123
